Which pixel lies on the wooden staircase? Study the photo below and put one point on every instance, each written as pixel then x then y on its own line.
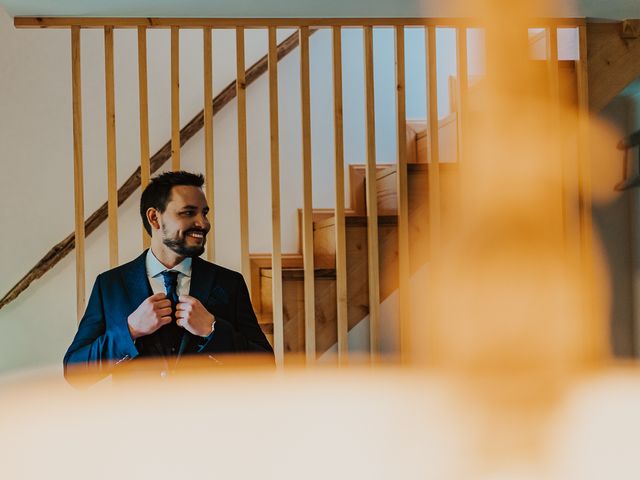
pixel 356 231
pixel 356 244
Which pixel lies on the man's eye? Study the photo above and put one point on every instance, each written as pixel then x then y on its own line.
pixel 187 214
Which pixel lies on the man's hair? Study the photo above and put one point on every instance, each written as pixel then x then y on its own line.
pixel 158 192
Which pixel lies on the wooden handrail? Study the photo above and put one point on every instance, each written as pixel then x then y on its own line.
pixel 134 22
pixel 63 248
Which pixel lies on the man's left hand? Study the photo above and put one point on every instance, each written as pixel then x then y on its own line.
pixel 192 316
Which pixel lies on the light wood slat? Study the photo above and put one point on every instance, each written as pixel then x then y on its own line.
pixel 145 164
pixel 112 178
pixel 561 165
pixel 462 93
pixel 341 240
pixel 276 255
pixel 78 174
pixel 129 22
pixel 371 197
pixel 175 98
pixel 307 211
pixel 208 140
pixel 402 187
pixel 434 146
pixel 585 203
pixel 242 156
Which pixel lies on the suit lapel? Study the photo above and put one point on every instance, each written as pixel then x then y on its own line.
pixel 201 280
pixel 136 282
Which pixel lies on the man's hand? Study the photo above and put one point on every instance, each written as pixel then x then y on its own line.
pixel 191 315
pixel 152 314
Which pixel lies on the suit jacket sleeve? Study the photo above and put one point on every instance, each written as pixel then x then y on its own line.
pixel 239 322
pixel 99 344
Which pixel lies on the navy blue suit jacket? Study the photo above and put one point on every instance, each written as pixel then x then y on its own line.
pixel 103 341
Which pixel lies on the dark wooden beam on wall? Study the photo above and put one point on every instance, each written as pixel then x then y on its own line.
pixel 613 57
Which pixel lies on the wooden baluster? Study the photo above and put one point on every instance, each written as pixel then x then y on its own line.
pixel 434 149
pixel 402 188
pixel 340 228
pixel 112 178
pixel 78 175
pixel 371 197
pixel 307 211
pixel 208 140
pixel 276 255
pixel 145 165
pixel 175 98
pixel 242 156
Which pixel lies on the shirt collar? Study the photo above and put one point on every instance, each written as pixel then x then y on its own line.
pixel 155 268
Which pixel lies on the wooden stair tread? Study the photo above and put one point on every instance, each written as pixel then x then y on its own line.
pixel 384 218
pixel 298 273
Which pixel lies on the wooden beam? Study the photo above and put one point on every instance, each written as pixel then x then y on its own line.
pixel 613 62
pixel 307 216
pixel 145 167
pixel 208 140
pixel 372 198
pixel 276 242
pixel 402 188
pixel 64 247
pixel 175 98
pixel 78 175
pixel 243 176
pixel 112 177
pixel 133 22
pixel 340 229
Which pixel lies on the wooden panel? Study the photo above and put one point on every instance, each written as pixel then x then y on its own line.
pixel 124 22
pixel 208 140
pixel 340 234
pixel 372 201
pixel 112 179
pixel 242 156
pixel 403 199
pixel 78 175
pixel 433 141
pixel 276 290
pixel 145 164
pixel 307 211
pixel 175 98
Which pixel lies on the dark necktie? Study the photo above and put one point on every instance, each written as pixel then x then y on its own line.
pixel 171 287
pixel 171 332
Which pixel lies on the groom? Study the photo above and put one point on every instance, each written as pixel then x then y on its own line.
pixel 167 302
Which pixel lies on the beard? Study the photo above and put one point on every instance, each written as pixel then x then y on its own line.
pixel 179 244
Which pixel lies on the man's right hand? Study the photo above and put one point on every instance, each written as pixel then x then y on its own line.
pixel 152 314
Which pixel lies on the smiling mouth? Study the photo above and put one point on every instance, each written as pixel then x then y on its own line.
pixel 196 234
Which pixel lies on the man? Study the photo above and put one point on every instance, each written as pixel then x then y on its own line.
pixel 167 302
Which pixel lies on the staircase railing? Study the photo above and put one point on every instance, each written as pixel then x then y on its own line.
pixel 237 90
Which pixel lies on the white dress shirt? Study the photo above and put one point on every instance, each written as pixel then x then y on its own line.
pixel 155 269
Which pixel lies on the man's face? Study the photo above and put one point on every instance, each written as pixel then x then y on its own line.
pixel 184 224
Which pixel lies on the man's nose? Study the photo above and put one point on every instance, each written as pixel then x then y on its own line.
pixel 202 221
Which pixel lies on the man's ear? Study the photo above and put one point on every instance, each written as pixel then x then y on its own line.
pixel 153 218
